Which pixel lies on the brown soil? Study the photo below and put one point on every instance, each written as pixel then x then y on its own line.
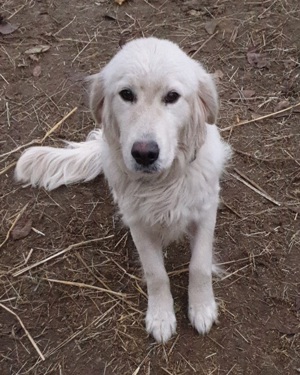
pixel 81 330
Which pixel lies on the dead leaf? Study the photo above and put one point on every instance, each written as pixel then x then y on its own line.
pixel 37 49
pixel 33 57
pixel 243 94
pixel 6 27
pixel 193 4
pixel 255 116
pixel 22 228
pixel 22 64
pixel 248 93
pixel 120 2
pixel 281 105
pixel 37 70
pixel 286 330
pixel 219 9
pixel 256 59
pixel 196 13
pixel 210 26
pixel 218 75
pixel 110 17
pixel 288 86
pixel 290 64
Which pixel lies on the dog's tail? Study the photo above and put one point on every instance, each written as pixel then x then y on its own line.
pixel 51 167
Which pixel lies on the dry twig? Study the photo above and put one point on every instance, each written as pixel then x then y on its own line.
pixel 253 186
pixel 82 285
pixel 14 223
pixel 6 169
pixel 25 330
pixel 40 141
pixel 204 43
pixel 260 118
pixel 71 247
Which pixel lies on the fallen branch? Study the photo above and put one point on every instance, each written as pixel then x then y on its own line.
pixel 13 224
pixel 7 168
pixel 95 323
pixel 234 273
pixel 40 141
pixel 203 44
pixel 25 330
pixel 71 247
pixel 82 285
pixel 259 118
pixel 255 188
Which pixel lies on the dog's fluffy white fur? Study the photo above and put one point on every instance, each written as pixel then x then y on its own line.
pixel 178 193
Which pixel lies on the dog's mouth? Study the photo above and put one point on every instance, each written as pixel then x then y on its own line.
pixel 147 170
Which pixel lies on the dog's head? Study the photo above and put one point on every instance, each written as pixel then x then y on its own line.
pixel 153 102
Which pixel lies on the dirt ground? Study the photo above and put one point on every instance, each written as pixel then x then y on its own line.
pixel 74 281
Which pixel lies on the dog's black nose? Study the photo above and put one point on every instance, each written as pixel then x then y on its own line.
pixel 145 153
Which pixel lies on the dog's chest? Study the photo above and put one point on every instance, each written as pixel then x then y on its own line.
pixel 172 206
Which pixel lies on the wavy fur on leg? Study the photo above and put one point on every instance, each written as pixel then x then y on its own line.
pixel 51 167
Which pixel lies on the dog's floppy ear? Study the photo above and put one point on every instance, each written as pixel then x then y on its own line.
pixel 208 96
pixel 100 106
pixel 97 96
pixel 204 109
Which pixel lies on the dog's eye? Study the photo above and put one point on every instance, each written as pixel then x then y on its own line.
pixel 127 95
pixel 171 97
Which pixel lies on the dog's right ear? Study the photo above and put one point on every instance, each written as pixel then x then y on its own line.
pixel 208 97
pixel 97 96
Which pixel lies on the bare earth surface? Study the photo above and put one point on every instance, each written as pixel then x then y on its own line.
pixel 84 307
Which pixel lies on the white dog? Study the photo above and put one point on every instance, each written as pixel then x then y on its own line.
pixel 162 156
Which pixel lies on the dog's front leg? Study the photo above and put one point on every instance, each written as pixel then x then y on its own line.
pixel 203 310
pixel 160 318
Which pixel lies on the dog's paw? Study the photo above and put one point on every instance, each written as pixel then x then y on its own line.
pixel 161 324
pixel 203 315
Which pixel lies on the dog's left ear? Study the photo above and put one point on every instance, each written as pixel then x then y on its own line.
pixel 97 96
pixel 208 96
pixel 204 109
pixel 101 108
